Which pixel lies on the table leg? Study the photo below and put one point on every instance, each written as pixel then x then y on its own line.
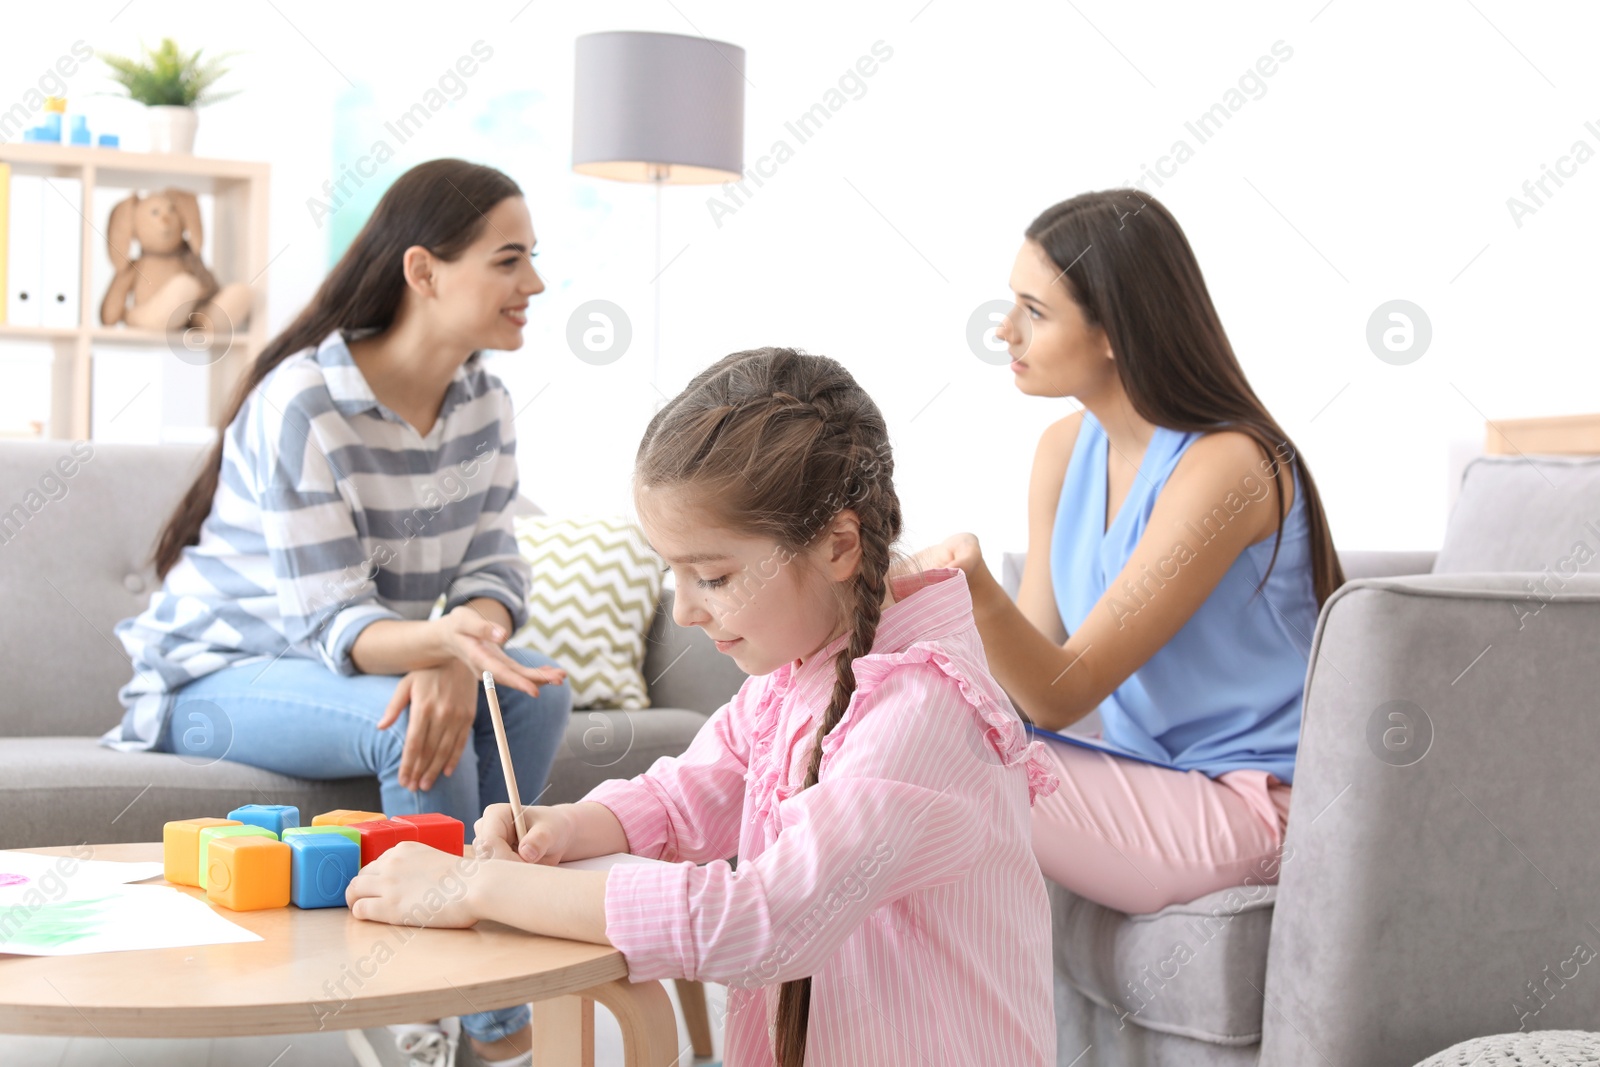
pixel 692 995
pixel 563 1032
pixel 649 1026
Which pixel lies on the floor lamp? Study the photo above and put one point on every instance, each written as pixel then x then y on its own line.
pixel 661 108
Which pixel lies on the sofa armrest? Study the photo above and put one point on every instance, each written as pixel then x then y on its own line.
pixel 1442 833
pixel 1385 564
pixel 682 666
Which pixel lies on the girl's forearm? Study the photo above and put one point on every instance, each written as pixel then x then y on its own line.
pixel 541 900
pixel 595 831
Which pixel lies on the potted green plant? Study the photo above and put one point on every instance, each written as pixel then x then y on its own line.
pixel 171 84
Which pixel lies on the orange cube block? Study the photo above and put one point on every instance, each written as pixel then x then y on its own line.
pixel 180 848
pixel 346 817
pixel 249 873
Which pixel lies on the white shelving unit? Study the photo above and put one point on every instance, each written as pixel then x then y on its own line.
pixel 238 253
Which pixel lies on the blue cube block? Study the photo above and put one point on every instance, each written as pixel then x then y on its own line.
pixel 320 869
pixel 274 817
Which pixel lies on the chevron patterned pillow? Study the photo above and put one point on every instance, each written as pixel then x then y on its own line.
pixel 595 587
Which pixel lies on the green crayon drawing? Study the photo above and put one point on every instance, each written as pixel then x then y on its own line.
pixel 49 926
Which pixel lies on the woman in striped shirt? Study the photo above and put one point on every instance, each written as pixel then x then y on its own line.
pixel 367 471
pixel 871 777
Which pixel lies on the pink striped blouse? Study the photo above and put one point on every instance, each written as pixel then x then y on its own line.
pixel 903 882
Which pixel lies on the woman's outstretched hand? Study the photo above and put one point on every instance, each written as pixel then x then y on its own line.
pixel 549 836
pixel 475 641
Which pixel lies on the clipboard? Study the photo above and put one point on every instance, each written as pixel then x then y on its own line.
pixel 1094 744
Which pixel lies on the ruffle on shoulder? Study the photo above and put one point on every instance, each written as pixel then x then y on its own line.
pixel 1003 728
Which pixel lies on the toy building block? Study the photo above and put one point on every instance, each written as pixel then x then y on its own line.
pixel 322 867
pixel 440 831
pixel 346 817
pixel 380 835
pixel 274 817
pixel 212 833
pixel 247 872
pixel 180 848
pixel 321 831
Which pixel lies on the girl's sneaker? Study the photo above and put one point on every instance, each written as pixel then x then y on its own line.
pixel 407 1045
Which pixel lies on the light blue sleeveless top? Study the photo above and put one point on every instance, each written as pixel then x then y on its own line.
pixel 1225 692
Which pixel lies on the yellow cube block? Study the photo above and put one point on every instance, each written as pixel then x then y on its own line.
pixel 345 817
pixel 180 848
pixel 248 873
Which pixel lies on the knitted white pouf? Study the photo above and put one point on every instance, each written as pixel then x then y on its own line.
pixel 1539 1048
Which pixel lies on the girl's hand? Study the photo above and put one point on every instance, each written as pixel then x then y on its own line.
pixel 958 550
pixel 475 641
pixel 550 832
pixel 444 703
pixel 414 884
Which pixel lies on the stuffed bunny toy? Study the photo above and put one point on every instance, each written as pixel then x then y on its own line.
pixel 172 289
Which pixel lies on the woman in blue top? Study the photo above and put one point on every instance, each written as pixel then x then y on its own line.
pixel 1178 555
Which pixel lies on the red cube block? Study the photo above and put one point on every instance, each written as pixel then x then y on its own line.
pixel 380 835
pixel 440 831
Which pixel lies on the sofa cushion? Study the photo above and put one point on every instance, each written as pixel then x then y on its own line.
pixel 1193 969
pixel 592 599
pixel 1525 513
pixel 72 569
pixel 65 790
pixel 602 744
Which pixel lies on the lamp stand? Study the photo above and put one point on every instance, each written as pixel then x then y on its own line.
pixel 658 178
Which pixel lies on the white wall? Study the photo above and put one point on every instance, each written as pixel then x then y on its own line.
pixel 1376 165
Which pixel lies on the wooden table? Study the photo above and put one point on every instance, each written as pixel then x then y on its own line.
pixel 324 970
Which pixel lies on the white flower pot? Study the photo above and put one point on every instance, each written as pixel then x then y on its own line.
pixel 172 128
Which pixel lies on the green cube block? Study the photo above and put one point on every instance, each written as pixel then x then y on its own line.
pixel 342 831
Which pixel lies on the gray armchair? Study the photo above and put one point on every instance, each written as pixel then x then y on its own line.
pixel 73 548
pixel 1439 876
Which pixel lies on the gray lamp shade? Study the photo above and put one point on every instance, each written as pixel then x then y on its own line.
pixel 658 106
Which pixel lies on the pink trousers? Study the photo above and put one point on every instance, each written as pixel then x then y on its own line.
pixel 1136 837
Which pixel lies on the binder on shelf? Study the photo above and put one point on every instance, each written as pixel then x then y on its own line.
pixel 25 251
pixel 61 255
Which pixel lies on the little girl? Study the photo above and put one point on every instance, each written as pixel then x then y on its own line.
pixel 870 776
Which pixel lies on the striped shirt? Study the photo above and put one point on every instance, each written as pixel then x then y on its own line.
pixel 331 512
pixel 903 882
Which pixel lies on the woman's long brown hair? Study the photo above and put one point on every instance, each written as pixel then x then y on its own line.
pixel 1126 262
pixel 439 205
pixel 774 444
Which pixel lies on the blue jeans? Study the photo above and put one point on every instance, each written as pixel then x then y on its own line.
pixel 298 718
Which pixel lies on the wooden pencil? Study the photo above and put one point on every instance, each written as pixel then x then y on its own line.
pixel 505 759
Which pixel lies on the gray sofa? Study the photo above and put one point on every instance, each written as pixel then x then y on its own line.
pixel 74 541
pixel 1422 901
